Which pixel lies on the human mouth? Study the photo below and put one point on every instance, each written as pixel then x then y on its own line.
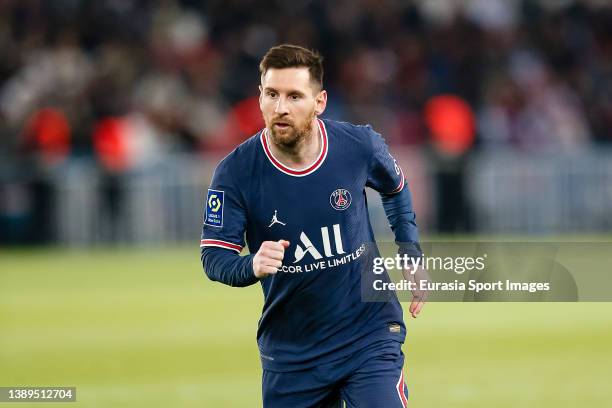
pixel 281 125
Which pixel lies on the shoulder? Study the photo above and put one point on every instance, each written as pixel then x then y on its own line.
pixel 362 136
pixel 239 159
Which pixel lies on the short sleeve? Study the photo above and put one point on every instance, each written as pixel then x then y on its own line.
pixel 224 212
pixel 384 174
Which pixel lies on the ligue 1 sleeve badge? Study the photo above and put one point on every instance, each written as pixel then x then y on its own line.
pixel 213 215
pixel 340 199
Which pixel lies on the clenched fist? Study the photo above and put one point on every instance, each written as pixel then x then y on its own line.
pixel 269 258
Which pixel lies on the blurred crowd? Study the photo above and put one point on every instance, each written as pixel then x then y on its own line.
pixel 128 81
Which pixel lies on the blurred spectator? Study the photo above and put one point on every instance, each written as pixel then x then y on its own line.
pixel 451 126
pixel 537 72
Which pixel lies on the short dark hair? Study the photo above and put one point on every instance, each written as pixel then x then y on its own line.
pixel 294 56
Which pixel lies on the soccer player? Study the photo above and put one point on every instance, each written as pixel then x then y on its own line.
pixel 297 190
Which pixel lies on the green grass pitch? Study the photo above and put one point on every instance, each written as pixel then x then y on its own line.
pixel 145 328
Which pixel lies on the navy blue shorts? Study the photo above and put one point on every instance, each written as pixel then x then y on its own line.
pixel 372 377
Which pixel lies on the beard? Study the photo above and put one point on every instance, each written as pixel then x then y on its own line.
pixel 291 135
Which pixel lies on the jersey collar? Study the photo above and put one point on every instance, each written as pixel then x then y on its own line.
pixel 298 172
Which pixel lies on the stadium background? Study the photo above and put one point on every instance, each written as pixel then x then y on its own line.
pixel 113 115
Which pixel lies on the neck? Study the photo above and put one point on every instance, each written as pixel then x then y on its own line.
pixel 303 154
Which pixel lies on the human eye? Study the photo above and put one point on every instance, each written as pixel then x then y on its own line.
pixel 271 94
pixel 294 97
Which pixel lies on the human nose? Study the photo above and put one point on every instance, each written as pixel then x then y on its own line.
pixel 281 106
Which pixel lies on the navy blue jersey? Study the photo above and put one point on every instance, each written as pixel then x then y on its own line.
pixel 313 312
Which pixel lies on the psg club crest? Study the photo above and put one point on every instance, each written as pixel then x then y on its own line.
pixel 340 199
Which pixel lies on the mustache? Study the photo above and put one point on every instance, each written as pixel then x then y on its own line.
pixel 282 120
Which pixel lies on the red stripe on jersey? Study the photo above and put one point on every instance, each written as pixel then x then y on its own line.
pixel 220 244
pixel 400 390
pixel 401 184
pixel 295 172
